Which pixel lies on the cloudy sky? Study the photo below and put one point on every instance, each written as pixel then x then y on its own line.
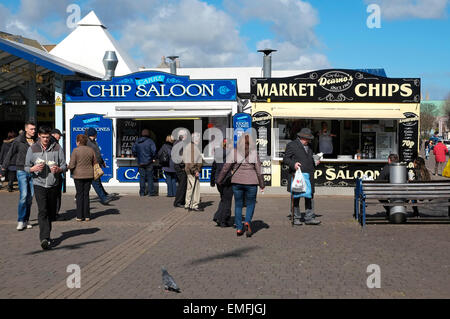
pixel 412 41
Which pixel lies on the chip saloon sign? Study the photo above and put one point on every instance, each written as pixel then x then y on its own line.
pixel 338 85
pixel 151 86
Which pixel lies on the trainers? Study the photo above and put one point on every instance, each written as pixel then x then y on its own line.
pixel 297 222
pixel 20 226
pixel 312 222
pixel 27 226
pixel 45 244
pixel 106 202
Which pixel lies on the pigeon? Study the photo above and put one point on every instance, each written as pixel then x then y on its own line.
pixel 168 282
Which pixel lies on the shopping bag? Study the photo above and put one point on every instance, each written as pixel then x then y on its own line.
pixel 446 172
pixel 298 183
pixel 308 190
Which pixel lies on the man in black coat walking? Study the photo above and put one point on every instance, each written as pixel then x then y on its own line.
pixel 299 154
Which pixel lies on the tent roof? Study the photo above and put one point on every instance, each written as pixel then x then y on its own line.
pixel 86 45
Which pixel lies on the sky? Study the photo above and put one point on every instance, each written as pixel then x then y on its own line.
pixel 412 38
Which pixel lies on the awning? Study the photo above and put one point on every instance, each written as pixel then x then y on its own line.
pixel 173 110
pixel 340 110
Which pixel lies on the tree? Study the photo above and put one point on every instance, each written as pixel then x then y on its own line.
pixel 447 110
pixel 427 118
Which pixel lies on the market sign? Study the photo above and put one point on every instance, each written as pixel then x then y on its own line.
pixel 151 86
pixel 336 85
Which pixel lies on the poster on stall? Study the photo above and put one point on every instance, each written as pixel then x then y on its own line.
pixel 104 128
pixel 408 139
pixel 241 123
pixel 262 123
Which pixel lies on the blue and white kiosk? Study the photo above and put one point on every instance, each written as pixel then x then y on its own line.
pixel 120 108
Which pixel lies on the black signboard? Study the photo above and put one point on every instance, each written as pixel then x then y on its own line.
pixel 408 138
pixel 129 133
pixel 339 174
pixel 336 85
pixel 262 123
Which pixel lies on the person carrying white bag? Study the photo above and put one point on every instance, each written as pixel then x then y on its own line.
pixel 299 154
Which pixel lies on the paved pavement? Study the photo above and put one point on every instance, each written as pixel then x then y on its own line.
pixel 121 250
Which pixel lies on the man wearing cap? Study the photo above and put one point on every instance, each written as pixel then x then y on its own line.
pixel 299 154
pixel 97 184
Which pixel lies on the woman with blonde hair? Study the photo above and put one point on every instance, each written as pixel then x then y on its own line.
pixel 168 166
pixel 81 165
pixel 245 167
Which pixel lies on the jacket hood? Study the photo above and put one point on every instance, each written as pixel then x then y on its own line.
pixel 142 139
pixel 9 141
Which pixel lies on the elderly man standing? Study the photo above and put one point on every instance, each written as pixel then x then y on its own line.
pixel 193 160
pixel 299 154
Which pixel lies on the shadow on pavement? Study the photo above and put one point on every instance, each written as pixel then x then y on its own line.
pixel 70 247
pixel 206 204
pixel 257 225
pixel 73 233
pixel 240 252
pixel 111 211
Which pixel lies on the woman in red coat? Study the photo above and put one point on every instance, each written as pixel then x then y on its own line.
pixel 439 152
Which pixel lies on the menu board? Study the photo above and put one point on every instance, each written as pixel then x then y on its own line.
pixel 129 133
pixel 104 127
pixel 262 123
pixel 408 139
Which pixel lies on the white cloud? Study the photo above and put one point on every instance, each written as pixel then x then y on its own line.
pixel 403 9
pixel 199 33
pixel 292 22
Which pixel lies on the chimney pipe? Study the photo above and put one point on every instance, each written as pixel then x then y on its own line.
pixel 267 62
pixel 173 65
pixel 110 62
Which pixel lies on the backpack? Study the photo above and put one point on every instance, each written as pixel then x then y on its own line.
pixel 164 158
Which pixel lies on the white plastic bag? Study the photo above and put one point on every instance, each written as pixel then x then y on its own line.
pixel 298 183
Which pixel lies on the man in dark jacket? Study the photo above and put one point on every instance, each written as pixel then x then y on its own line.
pixel 19 149
pixel 299 154
pixel 11 170
pixel 180 196
pixel 145 151
pixel 97 183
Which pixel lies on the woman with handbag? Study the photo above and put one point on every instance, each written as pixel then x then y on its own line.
pixel 81 165
pixel 245 177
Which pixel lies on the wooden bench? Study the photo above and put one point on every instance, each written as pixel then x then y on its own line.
pixel 432 193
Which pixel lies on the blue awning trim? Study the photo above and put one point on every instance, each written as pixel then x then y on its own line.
pixel 34 57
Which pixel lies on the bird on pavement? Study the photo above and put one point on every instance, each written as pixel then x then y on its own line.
pixel 169 282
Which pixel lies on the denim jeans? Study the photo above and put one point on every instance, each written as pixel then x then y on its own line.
pixel 96 184
pixel 146 176
pixel 26 195
pixel 171 180
pixel 250 194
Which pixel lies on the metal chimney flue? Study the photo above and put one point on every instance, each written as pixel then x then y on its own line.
pixel 173 64
pixel 267 62
pixel 110 62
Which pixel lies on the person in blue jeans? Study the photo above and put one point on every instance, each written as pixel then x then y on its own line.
pixel 145 151
pixel 246 176
pixel 168 166
pixel 18 151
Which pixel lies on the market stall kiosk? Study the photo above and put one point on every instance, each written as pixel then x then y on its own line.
pixel 367 117
pixel 120 108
